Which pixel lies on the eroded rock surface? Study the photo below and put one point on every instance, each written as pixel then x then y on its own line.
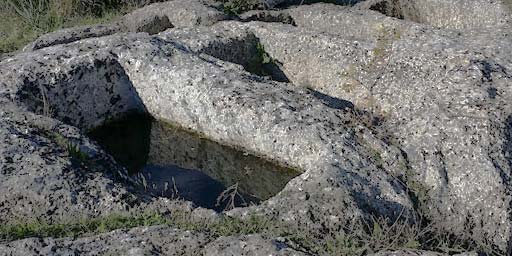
pixel 41 179
pixel 137 241
pixel 396 109
pixel 296 127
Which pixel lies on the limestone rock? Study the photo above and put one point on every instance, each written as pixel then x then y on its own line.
pixel 137 241
pixel 69 35
pixel 453 14
pixel 316 134
pixel 248 245
pixel 158 17
pixel 41 178
pixel 441 95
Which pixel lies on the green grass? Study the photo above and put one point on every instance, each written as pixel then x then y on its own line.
pixel 358 240
pixel 25 20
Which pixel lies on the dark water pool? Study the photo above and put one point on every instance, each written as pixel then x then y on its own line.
pixel 172 162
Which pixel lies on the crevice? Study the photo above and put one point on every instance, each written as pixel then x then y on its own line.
pixel 268 16
pixel 75 105
pixel 250 53
pixel 389 8
pixel 287 4
pixel 169 161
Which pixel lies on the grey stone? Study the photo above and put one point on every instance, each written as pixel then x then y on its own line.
pixel 152 19
pixel 40 179
pixel 321 136
pixel 158 17
pixel 452 14
pixel 407 253
pixel 73 34
pixel 269 4
pixel 31 79
pixel 418 253
pixel 267 16
pixel 153 240
pixel 50 172
pixel 248 245
pixel 441 94
pixel 392 101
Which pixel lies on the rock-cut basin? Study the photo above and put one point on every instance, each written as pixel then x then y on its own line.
pixel 172 162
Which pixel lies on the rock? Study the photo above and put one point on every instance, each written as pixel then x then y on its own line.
pixel 269 4
pixel 418 253
pixel 69 35
pixel 159 240
pixel 454 14
pixel 248 245
pixel 440 94
pixel 267 16
pixel 383 117
pixel 407 253
pixel 319 135
pixel 151 19
pixel 50 172
pixel 158 17
pixel 101 89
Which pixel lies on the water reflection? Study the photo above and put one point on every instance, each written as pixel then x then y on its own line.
pixel 173 162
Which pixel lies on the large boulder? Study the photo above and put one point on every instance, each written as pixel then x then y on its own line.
pixel 159 240
pixel 453 14
pixel 68 35
pixel 50 172
pixel 151 19
pixel 383 117
pixel 249 245
pixel 158 17
pixel 320 136
pixel 442 97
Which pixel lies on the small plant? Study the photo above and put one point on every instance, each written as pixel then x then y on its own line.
pixel 230 197
pixel 71 148
pixel 262 54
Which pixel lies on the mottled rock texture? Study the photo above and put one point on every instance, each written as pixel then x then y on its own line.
pixel 39 178
pixel 388 108
pixel 247 246
pixel 155 240
pixel 319 135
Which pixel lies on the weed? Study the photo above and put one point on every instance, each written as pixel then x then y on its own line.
pixel 228 198
pixel 262 54
pixel 359 239
pixel 71 148
pixel 238 6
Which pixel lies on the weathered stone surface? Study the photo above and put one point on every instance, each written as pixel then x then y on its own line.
pixel 407 253
pixel 418 253
pixel 267 16
pixel 442 96
pixel 158 17
pixel 453 14
pixel 306 130
pixel 151 19
pixel 153 240
pixel 159 240
pixel 69 35
pixel 248 245
pixel 268 4
pixel 40 178
pixel 51 172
